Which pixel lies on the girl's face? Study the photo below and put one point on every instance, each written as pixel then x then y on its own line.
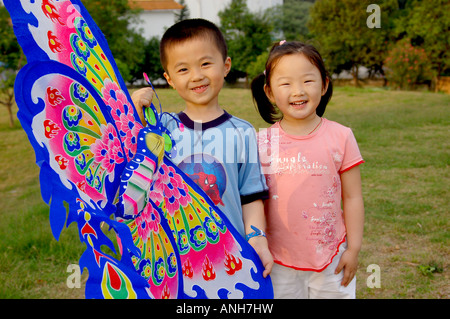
pixel 296 87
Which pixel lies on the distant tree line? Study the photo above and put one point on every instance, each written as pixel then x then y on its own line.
pixel 410 45
pixel 338 28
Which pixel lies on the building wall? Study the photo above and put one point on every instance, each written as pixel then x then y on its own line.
pixel 154 23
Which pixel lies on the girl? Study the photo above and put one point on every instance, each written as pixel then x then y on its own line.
pixel 310 164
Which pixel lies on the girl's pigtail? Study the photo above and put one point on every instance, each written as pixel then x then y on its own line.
pixel 325 99
pixel 265 107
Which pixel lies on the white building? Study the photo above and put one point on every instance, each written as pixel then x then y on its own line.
pixel 158 15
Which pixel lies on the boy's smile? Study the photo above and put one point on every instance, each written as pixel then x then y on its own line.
pixel 196 69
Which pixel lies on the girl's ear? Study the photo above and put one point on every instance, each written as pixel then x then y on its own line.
pixel 269 94
pixel 324 89
pixel 169 80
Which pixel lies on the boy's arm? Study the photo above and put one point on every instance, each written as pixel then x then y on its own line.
pixel 253 214
pixel 353 206
pixel 142 98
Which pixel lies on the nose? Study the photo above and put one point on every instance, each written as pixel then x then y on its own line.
pixel 298 90
pixel 197 75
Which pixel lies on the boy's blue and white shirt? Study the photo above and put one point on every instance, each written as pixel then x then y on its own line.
pixel 220 156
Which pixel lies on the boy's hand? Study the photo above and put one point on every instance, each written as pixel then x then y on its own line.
pixel 142 98
pixel 262 249
pixel 348 262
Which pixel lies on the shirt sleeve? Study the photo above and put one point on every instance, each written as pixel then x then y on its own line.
pixel 252 183
pixel 352 155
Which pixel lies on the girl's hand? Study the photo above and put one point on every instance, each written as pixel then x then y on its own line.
pixel 348 262
pixel 142 98
pixel 262 249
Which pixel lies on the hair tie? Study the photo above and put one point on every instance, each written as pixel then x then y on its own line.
pixel 282 42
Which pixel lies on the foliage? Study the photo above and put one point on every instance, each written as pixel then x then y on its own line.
pixel 184 13
pixel 427 24
pixel 12 58
pixel 431 269
pixel 151 63
pixel 344 39
pixel 290 20
pixel 247 35
pixel 407 65
pixel 10 51
pixel 258 66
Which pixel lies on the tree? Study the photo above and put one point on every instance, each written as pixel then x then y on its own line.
pixel 407 65
pixel 151 63
pixel 184 12
pixel 427 23
pixel 11 60
pixel 344 38
pixel 290 19
pixel 247 36
pixel 7 78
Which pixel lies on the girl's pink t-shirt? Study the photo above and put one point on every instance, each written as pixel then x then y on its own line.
pixel 305 224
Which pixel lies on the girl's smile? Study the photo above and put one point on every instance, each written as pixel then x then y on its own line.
pixel 298 104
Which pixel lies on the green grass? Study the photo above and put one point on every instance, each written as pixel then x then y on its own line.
pixel 403 137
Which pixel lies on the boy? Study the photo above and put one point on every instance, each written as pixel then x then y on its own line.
pixel 217 150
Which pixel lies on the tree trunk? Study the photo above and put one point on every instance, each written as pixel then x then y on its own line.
pixel 436 84
pixel 354 72
pixel 11 118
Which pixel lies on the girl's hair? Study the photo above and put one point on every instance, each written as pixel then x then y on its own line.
pixel 268 111
pixel 191 29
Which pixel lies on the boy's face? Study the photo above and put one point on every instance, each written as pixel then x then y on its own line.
pixel 196 69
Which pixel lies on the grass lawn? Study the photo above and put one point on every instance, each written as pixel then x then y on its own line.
pixel 403 137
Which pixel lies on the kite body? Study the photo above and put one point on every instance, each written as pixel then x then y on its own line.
pixel 95 155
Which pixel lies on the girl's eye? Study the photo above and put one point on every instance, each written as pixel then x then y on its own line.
pixel 309 81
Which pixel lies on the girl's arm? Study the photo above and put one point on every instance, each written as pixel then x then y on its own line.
pixel 253 214
pixel 353 207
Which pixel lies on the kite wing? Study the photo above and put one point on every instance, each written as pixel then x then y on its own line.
pixel 97 159
pixel 208 256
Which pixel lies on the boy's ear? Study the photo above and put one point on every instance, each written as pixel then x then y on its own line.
pixel 268 92
pixel 227 66
pixel 168 79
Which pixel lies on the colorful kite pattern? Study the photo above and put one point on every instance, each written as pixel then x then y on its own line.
pixel 96 156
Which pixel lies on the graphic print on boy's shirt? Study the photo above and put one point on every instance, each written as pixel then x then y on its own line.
pixel 220 156
pixel 209 175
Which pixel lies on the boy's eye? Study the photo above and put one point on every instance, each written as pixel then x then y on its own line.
pixel 309 81
pixel 206 63
pixel 182 70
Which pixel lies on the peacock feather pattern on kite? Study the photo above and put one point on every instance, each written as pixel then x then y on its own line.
pixel 95 155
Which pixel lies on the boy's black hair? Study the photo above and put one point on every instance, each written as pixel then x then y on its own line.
pixel 189 29
pixel 268 111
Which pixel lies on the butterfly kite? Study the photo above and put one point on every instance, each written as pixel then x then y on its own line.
pixel 95 155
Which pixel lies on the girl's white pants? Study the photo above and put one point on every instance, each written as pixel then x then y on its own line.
pixel 289 283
